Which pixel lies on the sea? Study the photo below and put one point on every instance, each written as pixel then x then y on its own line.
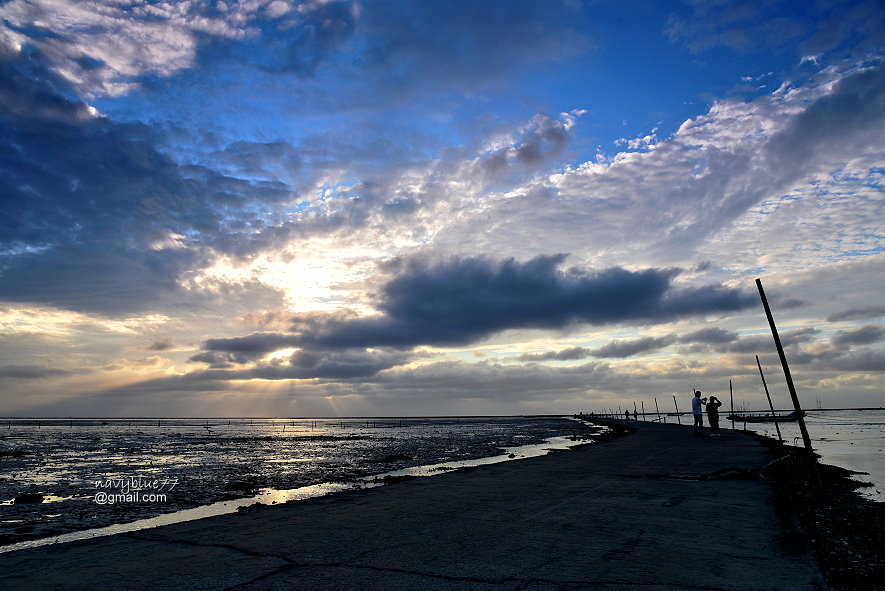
pixel 97 477
pixel 94 477
pixel 851 439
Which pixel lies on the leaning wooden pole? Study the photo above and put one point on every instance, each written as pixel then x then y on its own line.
pixel 780 351
pixel 770 405
pixel 678 418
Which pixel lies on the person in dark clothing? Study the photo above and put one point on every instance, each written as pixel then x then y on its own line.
pixel 713 405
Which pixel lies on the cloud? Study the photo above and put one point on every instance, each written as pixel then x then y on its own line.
pixel 31 372
pixel 94 217
pixel 567 354
pixel 621 349
pixel 338 364
pixel 858 361
pixel 711 336
pixel 444 45
pixel 629 348
pixel 864 313
pixel 765 342
pixel 846 120
pixel 862 335
pixel 804 27
pixel 108 48
pixel 161 345
pixel 460 301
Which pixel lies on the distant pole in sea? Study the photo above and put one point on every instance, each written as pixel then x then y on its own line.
pixel 657 408
pixel 642 402
pixel 731 394
pixel 770 405
pixel 678 418
pixel 780 351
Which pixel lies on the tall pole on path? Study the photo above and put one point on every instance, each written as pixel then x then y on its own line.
pixel 678 418
pixel 780 351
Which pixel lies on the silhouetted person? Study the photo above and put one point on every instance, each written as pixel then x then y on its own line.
pixel 713 416
pixel 697 411
pixel 627 415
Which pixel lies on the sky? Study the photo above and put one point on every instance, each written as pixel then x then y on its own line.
pixel 386 208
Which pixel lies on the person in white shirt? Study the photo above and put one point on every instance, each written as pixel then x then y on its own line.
pixel 697 411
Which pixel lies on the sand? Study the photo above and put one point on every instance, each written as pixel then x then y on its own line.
pixel 625 514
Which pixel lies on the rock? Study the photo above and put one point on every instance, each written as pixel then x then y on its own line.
pixel 28 498
pixel 240 486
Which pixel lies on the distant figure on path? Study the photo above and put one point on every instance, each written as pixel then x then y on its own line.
pixel 627 415
pixel 713 416
pixel 697 411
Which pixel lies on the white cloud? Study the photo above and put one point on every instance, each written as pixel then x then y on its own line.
pixel 101 47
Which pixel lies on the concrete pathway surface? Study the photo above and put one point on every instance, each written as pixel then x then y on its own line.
pixel 619 515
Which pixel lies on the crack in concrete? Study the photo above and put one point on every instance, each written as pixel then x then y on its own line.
pixel 246 551
pixel 292 564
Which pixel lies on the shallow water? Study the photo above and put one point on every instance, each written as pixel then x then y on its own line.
pixel 106 476
pixel 851 439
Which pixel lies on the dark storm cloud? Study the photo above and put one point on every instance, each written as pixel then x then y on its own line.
pixel 92 216
pixel 862 335
pixel 461 301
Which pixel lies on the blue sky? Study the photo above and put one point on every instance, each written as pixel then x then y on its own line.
pixel 281 208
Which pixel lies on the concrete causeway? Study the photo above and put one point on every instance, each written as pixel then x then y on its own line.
pixel 620 515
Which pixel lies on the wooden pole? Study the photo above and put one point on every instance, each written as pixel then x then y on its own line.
pixel 642 402
pixel 780 351
pixel 678 418
pixel 770 405
pixel 657 408
pixel 731 394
